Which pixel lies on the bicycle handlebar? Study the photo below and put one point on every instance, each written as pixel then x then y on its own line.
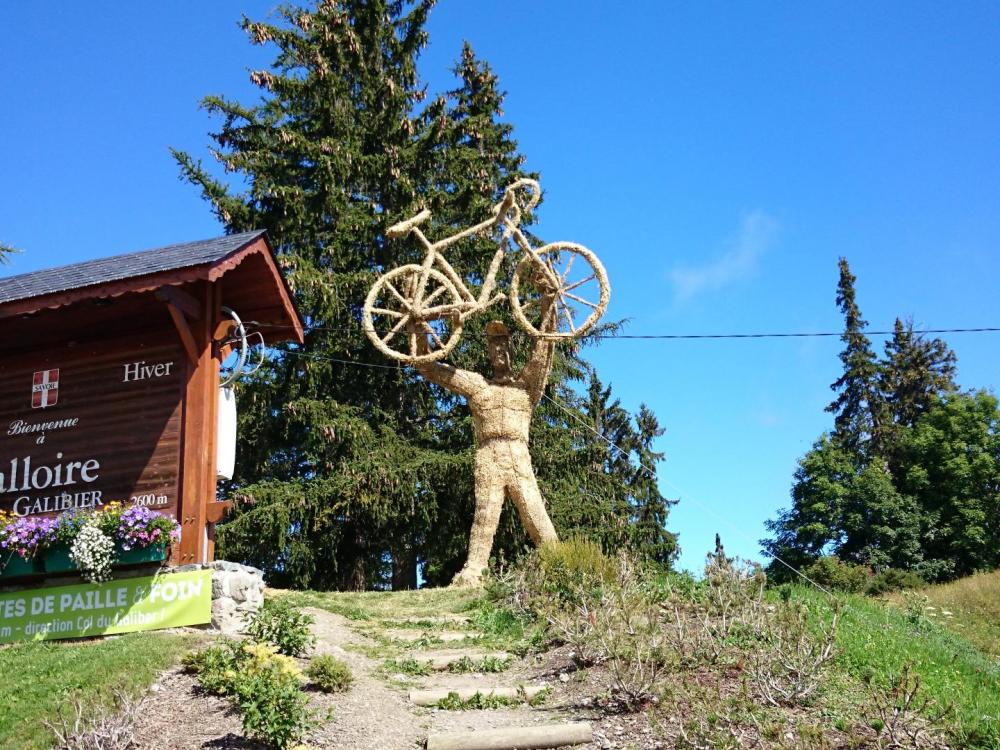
pixel 405 227
pixel 501 209
pixel 525 182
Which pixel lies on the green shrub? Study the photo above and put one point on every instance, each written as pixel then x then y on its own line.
pixel 216 666
pixel 263 685
pixel 329 674
pixel 832 573
pixel 486 664
pixel 894 579
pixel 410 667
pixel 280 624
pixel 272 707
pixel 564 567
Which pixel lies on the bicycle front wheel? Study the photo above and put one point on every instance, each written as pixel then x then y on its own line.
pixel 576 281
pixel 410 322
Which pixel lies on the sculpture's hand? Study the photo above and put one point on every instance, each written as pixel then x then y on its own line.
pixel 415 328
pixel 462 382
pixel 544 283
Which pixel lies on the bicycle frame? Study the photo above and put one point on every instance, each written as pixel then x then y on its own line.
pixel 435 258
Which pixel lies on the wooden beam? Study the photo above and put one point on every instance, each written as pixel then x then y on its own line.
pixel 217 510
pixel 213 314
pixel 198 451
pixel 223 332
pixel 181 300
pixel 513 738
pixel 187 338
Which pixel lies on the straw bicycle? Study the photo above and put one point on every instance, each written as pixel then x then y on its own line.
pixel 433 298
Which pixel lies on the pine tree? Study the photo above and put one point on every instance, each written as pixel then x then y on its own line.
pixel 608 487
pixel 858 408
pixel 915 373
pixel 935 510
pixel 353 471
pixel 649 506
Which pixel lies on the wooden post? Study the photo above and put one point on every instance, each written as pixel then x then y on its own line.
pixel 198 451
pixel 211 463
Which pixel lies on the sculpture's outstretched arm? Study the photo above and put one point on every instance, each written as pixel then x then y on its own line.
pixel 462 382
pixel 536 373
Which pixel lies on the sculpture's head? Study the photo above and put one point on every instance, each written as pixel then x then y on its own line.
pixel 498 345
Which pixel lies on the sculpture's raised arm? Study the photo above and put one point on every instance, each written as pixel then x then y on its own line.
pixel 535 374
pixel 462 382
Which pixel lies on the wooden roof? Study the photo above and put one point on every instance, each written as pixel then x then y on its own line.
pixel 245 263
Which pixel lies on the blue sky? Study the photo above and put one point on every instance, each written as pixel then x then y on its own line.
pixel 718 156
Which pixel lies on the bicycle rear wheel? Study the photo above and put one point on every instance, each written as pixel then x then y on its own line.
pixel 577 280
pixel 397 313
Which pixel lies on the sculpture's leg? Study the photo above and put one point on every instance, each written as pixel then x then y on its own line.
pixel 490 481
pixel 526 496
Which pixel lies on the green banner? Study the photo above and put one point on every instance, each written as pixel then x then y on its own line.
pixel 167 600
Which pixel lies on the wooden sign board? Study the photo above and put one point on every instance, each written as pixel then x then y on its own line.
pixel 109 378
pixel 84 426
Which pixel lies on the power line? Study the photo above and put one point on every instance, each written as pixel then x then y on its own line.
pixel 317 358
pixel 708 509
pixel 799 335
pixel 652 472
pixel 694 336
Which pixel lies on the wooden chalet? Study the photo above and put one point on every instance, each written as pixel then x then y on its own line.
pixel 109 378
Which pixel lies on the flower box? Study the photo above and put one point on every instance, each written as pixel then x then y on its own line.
pixel 100 539
pixel 57 560
pixel 152 554
pixel 18 566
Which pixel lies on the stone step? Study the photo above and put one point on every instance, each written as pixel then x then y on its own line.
pixel 447 636
pixel 453 620
pixel 540 737
pixel 431 696
pixel 441 660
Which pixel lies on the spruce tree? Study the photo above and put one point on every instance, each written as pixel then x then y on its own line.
pixel 352 469
pixel 859 411
pixel 935 511
pixel 916 371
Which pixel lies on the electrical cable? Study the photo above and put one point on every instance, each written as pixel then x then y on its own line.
pixel 696 336
pixel 615 446
pixel 703 506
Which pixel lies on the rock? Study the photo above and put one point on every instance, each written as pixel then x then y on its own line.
pixel 563 677
pixel 237 592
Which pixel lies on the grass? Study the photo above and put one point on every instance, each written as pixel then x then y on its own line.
pixel 389 605
pixel 494 628
pixel 875 641
pixel 488 701
pixel 40 679
pixel 970 607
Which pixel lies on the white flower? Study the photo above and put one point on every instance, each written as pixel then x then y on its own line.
pixel 93 552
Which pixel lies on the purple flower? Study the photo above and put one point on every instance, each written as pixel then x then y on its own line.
pixel 26 536
pixel 140 527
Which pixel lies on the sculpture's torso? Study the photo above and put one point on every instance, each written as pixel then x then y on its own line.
pixel 501 412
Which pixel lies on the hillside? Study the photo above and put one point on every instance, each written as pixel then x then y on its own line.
pixel 970 607
pixel 664 662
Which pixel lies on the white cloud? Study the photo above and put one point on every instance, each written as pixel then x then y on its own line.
pixel 756 231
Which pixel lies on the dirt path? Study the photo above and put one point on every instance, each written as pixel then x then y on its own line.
pixel 370 714
pixel 374 714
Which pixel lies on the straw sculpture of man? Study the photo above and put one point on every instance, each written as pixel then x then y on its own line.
pixel 501 409
pixel 405 301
